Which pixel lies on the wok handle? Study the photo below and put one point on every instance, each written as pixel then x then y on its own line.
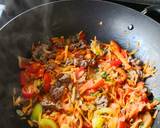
pixel 153 12
pixel 151 9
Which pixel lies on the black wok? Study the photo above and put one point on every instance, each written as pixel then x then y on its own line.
pixel 67 18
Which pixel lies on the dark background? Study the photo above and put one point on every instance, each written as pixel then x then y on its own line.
pixel 11 8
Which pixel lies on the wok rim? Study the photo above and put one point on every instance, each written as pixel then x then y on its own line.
pixel 53 2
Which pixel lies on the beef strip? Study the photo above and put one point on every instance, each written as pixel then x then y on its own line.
pixel 101 101
pixel 49 105
pixel 65 78
pixel 57 90
pixel 80 62
pixel 42 53
pixel 77 45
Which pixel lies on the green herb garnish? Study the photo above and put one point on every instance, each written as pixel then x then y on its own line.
pixel 96 69
pixel 92 94
pixel 104 75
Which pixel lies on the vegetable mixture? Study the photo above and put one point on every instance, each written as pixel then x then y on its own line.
pixel 70 83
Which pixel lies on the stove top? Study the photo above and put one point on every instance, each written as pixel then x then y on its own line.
pixel 11 8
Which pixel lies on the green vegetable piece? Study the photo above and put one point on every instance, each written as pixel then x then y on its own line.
pixel 97 69
pixel 47 123
pixel 104 75
pixel 92 94
pixel 97 122
pixel 37 112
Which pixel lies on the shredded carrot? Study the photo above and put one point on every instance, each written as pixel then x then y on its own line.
pixel 81 84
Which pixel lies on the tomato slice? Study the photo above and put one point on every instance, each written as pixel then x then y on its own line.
pixel 106 87
pixel 47 80
pixel 122 124
pixel 28 91
pixel 23 78
pixel 36 69
pixel 40 72
pixel 88 92
pixel 116 63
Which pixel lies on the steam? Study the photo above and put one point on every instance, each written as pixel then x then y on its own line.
pixel 15 7
pixel 16 39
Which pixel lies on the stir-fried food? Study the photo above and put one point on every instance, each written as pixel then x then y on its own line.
pixel 70 83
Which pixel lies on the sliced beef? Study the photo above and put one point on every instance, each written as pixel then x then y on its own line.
pixel 77 45
pixel 64 78
pixel 57 92
pixel 49 105
pixel 80 62
pixel 42 53
pixel 134 61
pixel 92 62
pixel 84 63
pixel 101 101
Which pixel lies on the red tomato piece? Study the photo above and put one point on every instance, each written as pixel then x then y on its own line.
pixel 106 87
pixel 123 124
pixel 116 63
pixel 144 99
pixel 28 91
pixel 33 68
pixel 40 72
pixel 36 70
pixel 47 80
pixel 88 92
pixel 23 78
